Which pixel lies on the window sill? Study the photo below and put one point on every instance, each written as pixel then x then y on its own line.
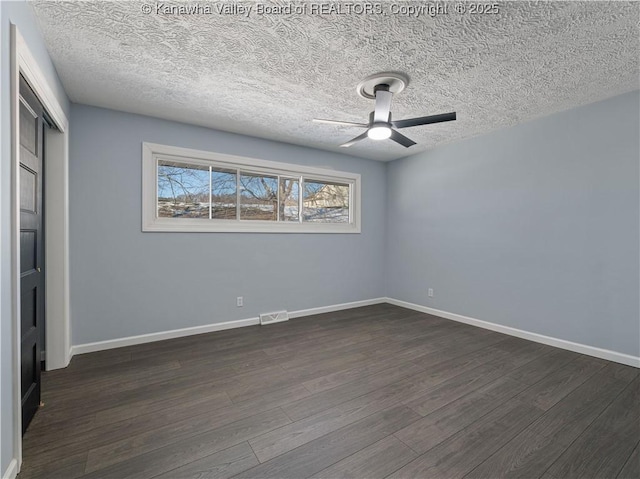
pixel 219 226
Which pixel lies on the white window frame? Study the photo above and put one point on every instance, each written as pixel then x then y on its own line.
pixel 152 152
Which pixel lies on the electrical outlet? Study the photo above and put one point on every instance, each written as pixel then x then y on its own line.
pixel 239 302
pixel 430 292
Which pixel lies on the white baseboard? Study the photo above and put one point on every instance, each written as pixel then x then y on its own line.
pixel 12 470
pixel 336 307
pixel 538 338
pixel 208 328
pixel 161 336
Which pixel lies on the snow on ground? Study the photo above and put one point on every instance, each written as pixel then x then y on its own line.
pixel 169 209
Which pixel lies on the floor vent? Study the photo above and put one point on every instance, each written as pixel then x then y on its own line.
pixel 277 317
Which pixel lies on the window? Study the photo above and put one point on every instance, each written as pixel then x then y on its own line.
pixel 325 202
pixel 190 190
pixel 183 190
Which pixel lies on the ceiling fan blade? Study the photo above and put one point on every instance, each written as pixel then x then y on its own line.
pixel 424 120
pixel 355 140
pixel 400 138
pixel 342 123
pixel 383 106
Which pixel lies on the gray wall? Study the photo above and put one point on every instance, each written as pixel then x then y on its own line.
pixel 125 282
pixel 20 14
pixel 533 227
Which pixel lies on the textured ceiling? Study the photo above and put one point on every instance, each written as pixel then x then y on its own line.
pixel 269 75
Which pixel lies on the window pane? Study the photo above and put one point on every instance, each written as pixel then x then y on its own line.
pixel 223 194
pixel 289 199
pixel 325 202
pixel 258 197
pixel 183 190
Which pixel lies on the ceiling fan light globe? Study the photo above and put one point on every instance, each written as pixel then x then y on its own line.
pixel 379 132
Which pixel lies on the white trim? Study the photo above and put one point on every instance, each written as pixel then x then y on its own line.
pixel 38 82
pixel 519 333
pixel 161 336
pixel 335 307
pixel 57 309
pixel 56 220
pixel 15 244
pixel 151 152
pixel 12 470
pixel 208 328
pixel 57 200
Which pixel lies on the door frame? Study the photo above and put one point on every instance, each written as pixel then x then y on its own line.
pixel 56 223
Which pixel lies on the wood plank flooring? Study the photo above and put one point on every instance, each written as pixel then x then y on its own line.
pixel 372 392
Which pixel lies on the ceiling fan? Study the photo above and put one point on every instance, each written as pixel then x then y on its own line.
pixel 381 87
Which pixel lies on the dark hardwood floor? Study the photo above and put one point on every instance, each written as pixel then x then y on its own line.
pixel 373 392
